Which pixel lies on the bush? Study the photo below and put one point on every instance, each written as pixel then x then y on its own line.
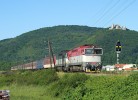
pixel 105 87
pixel 45 77
pixel 67 83
pixel 39 77
pixel 7 78
pixel 77 86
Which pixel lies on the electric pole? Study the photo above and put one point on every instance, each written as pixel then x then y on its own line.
pixel 52 55
pixel 49 49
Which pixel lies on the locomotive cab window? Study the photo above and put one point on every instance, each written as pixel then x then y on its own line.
pixel 88 51
pixel 98 51
pixel 93 51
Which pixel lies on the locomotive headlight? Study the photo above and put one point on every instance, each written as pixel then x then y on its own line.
pixel 88 63
pixel 98 64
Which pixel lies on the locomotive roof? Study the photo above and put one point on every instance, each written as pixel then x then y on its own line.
pixel 89 45
pixel 86 45
pixel 82 46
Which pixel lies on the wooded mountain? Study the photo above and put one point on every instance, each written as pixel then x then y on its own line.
pixel 33 46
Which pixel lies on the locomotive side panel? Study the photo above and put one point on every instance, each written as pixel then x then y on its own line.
pixel 75 60
pixel 90 58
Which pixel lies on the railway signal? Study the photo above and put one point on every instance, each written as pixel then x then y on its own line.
pixel 118 46
pixel 118 50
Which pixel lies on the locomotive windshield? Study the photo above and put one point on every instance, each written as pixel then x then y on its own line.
pixel 93 51
pixel 98 51
pixel 89 51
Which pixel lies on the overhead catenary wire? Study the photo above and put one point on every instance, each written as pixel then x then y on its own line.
pixel 102 9
pixel 113 11
pixel 117 14
pixel 106 12
pixel 120 8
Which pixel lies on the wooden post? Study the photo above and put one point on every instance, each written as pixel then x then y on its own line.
pixel 49 48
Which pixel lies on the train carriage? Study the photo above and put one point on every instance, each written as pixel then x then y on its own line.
pixel 49 64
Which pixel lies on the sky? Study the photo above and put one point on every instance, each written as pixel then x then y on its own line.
pixel 21 16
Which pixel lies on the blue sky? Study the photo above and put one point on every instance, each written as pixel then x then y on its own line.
pixel 20 16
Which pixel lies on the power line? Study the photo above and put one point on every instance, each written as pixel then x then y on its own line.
pixel 102 9
pixel 119 12
pixel 112 13
pixel 108 10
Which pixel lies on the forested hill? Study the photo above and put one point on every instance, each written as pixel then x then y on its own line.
pixel 32 45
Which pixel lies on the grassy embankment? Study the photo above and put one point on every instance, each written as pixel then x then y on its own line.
pixel 48 85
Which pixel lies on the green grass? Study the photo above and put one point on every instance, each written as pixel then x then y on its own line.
pixel 23 92
pixel 50 85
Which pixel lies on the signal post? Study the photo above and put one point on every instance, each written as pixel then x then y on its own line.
pixel 118 50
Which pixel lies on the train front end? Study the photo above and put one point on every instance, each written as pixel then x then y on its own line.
pixel 92 59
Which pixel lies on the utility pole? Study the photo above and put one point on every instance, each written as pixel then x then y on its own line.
pixel 52 55
pixel 49 49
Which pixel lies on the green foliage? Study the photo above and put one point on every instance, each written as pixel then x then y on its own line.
pixel 105 88
pixel 32 45
pixel 71 86
pixel 25 92
pixel 66 83
pixel 6 79
pixel 40 77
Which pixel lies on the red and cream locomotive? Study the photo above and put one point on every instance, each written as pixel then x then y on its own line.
pixel 84 58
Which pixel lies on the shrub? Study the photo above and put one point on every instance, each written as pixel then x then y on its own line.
pixel 39 77
pixel 67 83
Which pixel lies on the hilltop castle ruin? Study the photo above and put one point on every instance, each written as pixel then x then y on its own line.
pixel 113 26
